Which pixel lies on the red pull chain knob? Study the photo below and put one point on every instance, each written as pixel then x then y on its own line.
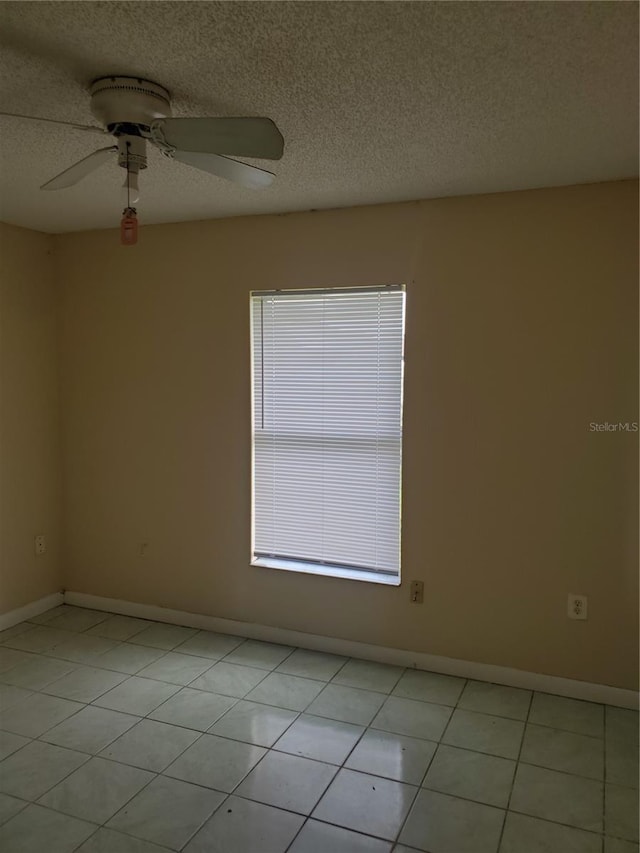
pixel 129 227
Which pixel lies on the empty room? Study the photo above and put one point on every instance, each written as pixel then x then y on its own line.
pixel 319 427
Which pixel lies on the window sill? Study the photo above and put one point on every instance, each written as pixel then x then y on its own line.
pixel 326 571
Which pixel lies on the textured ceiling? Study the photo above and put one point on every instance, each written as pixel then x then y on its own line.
pixel 376 101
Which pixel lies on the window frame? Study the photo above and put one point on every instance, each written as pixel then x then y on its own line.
pixel 303 566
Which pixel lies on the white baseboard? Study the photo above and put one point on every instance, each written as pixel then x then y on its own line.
pixel 401 657
pixel 34 608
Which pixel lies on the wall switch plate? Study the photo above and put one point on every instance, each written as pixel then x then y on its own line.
pixel 40 545
pixel 577 606
pixel 417 592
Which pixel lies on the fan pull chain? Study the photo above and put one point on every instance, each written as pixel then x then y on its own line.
pixel 129 221
pixel 128 178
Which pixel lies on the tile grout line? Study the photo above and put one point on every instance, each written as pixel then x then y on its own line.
pixel 515 770
pixel 270 749
pixel 25 803
pixel 396 839
pixel 604 780
pixel 59 781
pixel 156 775
pixel 165 652
pixel 326 822
pixel 91 703
pixel 208 732
pixel 196 784
pixel 439 742
pixel 368 725
pixel 89 756
pixel 340 767
pixel 77 665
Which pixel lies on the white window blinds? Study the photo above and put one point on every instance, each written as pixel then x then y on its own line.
pixel 327 426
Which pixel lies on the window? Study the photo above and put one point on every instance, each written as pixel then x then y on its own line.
pixel 327 430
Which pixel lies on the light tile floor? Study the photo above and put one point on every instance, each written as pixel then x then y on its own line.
pixel 120 735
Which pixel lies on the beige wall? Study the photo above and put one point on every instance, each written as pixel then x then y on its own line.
pixel 29 419
pixel 521 330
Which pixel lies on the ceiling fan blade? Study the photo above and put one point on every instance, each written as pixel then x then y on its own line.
pixel 223 167
pixel 91 127
pixel 237 137
pixel 80 169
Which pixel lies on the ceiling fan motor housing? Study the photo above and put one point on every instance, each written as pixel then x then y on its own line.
pixel 128 101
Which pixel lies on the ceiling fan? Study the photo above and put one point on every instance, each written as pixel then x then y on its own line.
pixel 136 111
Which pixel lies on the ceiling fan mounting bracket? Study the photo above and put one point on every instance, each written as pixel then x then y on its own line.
pixel 157 137
pixel 128 100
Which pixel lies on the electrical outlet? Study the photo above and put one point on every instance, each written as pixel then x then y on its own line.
pixel 40 545
pixel 577 606
pixel 417 592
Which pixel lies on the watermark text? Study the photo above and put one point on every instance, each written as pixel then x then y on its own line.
pixel 619 426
